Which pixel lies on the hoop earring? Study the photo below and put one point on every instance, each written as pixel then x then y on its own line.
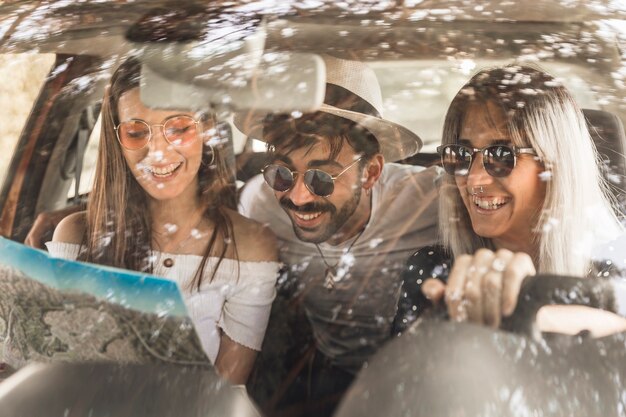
pixel 209 163
pixel 206 143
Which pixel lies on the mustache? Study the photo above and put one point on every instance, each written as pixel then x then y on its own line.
pixel 313 207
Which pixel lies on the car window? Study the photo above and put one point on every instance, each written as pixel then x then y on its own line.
pixel 22 75
pixel 89 163
pixel 431 84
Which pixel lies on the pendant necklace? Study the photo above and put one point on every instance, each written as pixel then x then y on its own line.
pixel 193 232
pixel 330 274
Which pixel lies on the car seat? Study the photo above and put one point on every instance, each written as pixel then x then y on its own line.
pixel 607 131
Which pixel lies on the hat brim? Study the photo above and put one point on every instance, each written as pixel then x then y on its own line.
pixel 396 141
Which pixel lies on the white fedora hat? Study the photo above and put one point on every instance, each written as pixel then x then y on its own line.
pixel 352 93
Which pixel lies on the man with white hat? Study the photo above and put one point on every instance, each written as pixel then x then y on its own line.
pixel 347 220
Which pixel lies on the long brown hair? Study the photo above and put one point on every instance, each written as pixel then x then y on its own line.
pixel 119 223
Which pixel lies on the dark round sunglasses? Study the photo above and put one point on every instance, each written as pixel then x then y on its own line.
pixel 498 160
pixel 318 182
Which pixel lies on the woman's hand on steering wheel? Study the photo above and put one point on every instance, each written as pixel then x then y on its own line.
pixel 485 287
pixel 482 288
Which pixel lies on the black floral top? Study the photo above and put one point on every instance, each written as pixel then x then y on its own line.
pixel 428 262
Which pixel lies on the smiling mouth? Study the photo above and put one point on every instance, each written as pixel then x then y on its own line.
pixel 492 203
pixel 164 171
pixel 307 216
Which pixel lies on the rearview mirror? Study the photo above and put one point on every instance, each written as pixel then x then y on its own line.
pixel 274 81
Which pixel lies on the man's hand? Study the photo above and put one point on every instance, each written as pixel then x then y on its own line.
pixel 45 223
pixel 482 288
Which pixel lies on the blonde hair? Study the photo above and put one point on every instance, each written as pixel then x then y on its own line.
pixel 543 115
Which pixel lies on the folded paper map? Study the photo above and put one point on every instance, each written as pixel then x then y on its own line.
pixel 59 310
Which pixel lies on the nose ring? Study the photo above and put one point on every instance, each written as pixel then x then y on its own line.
pixel 476 190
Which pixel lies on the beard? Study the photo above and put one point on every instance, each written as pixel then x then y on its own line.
pixel 338 217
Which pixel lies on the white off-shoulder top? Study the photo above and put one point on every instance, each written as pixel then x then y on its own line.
pixel 238 299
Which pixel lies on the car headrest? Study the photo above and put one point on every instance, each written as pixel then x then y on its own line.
pixel 607 131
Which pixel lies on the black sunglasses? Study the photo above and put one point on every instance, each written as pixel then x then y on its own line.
pixel 318 182
pixel 498 160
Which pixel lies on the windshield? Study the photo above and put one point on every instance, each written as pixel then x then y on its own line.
pixel 313 179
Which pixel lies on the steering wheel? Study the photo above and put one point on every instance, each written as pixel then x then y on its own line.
pixel 542 290
pixel 444 368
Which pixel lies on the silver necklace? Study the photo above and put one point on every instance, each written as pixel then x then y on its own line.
pixel 193 232
pixel 330 274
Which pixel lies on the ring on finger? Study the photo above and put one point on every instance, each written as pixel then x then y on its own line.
pixel 498 264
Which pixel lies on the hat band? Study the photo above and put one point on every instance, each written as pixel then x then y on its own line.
pixel 345 99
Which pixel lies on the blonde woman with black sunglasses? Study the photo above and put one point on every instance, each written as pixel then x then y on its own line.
pixel 522 193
